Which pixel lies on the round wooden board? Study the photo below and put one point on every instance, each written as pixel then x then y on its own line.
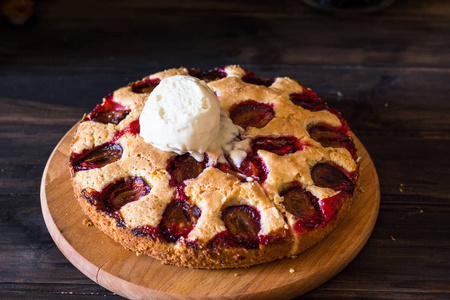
pixel 142 277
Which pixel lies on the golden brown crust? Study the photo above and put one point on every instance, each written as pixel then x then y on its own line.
pixel 184 254
pixel 213 190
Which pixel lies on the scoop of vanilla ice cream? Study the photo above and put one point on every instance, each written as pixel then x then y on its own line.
pixel 182 114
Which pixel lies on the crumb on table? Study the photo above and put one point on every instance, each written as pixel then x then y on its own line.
pixel 87 222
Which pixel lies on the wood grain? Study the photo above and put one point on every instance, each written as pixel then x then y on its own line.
pixel 139 277
pixel 269 33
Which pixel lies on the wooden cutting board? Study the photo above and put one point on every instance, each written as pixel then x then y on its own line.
pixel 141 277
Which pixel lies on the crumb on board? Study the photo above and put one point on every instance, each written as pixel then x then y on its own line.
pixel 236 274
pixel 392 238
pixel 87 222
pixel 401 190
pixel 291 270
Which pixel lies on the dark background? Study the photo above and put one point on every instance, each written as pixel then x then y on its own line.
pixel 388 73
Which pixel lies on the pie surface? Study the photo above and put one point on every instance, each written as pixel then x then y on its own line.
pixel 293 187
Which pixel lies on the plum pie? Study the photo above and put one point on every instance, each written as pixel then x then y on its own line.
pixel 283 179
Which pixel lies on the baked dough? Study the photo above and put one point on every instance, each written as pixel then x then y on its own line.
pixel 293 187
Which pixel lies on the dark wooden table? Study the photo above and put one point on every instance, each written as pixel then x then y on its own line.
pixel 388 73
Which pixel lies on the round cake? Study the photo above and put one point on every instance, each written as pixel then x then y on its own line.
pixel 280 177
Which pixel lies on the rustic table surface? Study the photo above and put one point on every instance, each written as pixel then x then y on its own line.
pixel 388 73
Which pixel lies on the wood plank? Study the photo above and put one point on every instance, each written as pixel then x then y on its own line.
pixel 55 290
pixel 26 239
pixel 269 33
pixel 385 99
pixel 389 132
